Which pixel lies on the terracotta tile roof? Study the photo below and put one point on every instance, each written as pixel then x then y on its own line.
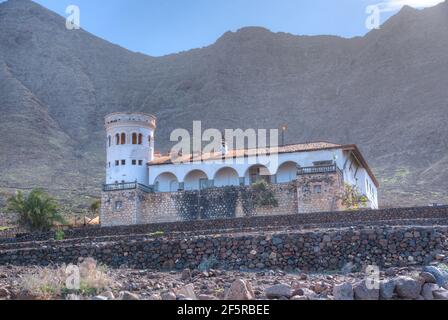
pixel 303 147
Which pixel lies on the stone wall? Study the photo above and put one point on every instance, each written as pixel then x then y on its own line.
pixel 319 192
pixel 127 212
pixel 395 216
pixel 139 207
pixel 309 251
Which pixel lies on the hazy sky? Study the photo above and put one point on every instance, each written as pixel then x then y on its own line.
pixel 158 27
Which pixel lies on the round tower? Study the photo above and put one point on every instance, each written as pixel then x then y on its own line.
pixel 130 146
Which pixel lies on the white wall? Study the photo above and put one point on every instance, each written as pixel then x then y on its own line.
pixel 129 151
pixel 283 165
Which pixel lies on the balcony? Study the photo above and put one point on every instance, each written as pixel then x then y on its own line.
pixel 127 186
pixel 318 170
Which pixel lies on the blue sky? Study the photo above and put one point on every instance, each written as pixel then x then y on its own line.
pixel 159 27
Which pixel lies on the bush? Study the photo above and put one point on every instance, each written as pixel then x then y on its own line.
pixel 352 199
pixel 263 196
pixel 50 283
pixel 37 211
pixel 59 235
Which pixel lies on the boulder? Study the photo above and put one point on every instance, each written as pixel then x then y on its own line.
pixel 109 295
pixel 155 297
pixel 387 289
pixel 362 292
pixel 391 272
pixel 428 277
pixel 408 288
pixel 100 298
pixel 126 295
pixel 168 296
pixel 440 294
pixel 186 275
pixel 343 291
pixel 240 290
pixel 4 293
pixel 428 289
pixel 188 292
pixel 278 291
pixel 440 275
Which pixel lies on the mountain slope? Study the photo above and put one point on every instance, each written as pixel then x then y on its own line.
pixel 385 91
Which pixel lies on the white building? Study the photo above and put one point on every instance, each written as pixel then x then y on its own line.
pixel 131 158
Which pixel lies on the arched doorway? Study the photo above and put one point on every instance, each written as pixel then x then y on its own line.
pixel 226 177
pixel 287 172
pixel 196 180
pixel 257 173
pixel 166 182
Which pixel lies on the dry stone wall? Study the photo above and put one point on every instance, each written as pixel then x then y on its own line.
pixel 138 207
pixel 308 251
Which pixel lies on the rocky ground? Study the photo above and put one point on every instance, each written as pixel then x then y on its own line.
pixel 412 283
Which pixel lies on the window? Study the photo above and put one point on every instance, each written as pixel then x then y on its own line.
pixel 123 162
pixel 118 205
pixel 123 138
pixel 140 162
pixel 134 162
pixel 134 138
pixel 117 163
pixel 149 140
pixel 109 140
pixel 140 139
pixel 318 189
pixel 109 164
pixel 117 139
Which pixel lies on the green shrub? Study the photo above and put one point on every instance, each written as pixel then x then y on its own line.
pixel 59 235
pixel 157 234
pixel 262 195
pixel 352 199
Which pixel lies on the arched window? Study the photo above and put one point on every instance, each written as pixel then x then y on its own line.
pixel 117 139
pixel 134 138
pixel 123 138
pixel 140 139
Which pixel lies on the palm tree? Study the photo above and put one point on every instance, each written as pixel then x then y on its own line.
pixel 37 211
